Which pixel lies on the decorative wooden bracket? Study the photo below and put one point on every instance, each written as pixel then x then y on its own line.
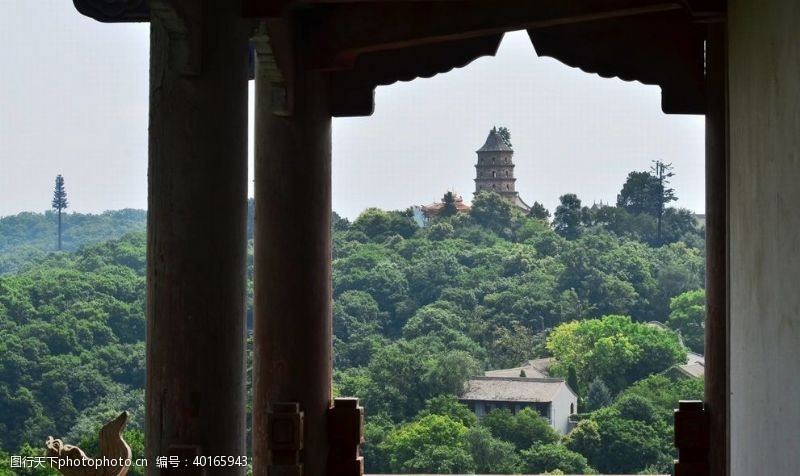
pixel 112 447
pixel 285 439
pixel 268 74
pixel 345 434
pixel 691 438
pixel 183 23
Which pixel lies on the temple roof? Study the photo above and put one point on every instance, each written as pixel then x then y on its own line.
pixel 433 209
pixel 495 143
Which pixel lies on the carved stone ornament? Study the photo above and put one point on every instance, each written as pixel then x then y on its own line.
pixel 114 458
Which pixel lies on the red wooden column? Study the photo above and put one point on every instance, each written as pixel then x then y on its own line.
pixel 717 369
pixel 195 391
pixel 292 315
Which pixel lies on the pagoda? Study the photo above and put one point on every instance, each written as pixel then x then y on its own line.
pixel 495 170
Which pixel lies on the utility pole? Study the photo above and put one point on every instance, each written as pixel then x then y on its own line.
pixel 663 172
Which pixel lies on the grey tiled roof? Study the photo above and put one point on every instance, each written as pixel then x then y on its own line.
pixel 696 369
pixel 512 389
pixel 495 143
pixel 537 368
pixel 695 358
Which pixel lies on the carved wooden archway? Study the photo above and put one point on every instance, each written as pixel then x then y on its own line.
pixel 317 59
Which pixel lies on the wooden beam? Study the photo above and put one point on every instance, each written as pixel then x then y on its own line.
pixel 275 8
pixel 267 8
pixel 665 49
pixel 345 31
pixel 352 90
pixel 110 11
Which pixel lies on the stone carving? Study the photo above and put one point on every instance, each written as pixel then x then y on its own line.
pixel 114 458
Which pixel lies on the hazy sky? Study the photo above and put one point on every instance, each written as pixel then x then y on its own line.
pixel 73 100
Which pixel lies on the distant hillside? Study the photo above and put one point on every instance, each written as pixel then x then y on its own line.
pixel 416 312
pixel 28 236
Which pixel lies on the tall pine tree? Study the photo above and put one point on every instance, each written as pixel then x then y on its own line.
pixel 448 205
pixel 59 203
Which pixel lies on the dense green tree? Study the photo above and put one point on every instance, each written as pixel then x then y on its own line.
pixel 636 407
pixel 448 205
pixel 614 349
pixel 492 455
pixel 357 324
pixel 492 211
pixel 567 220
pixel 401 376
pixel 432 320
pixel 532 231
pixel 432 444
pixel 664 393
pixel 604 277
pixel 357 312
pixel 524 429
pixel 641 193
pixel 677 224
pixel 378 225
pixel 511 347
pixel 5 464
pixel 554 456
pixel 339 223
pixel 374 270
pixel 585 439
pixel 449 406
pixel 430 272
pixel 539 212
pixel 618 220
pixel 597 395
pixel 617 445
pixel 687 316
pixel 635 433
pixel 440 230
pixel 632 445
pixel 376 428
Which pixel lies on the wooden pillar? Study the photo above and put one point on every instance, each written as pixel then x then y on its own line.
pixel 196 250
pixel 292 304
pixel 716 357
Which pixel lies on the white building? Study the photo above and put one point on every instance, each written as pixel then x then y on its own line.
pixel 550 397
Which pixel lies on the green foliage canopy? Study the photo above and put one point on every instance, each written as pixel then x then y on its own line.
pixel 432 444
pixel 688 316
pixel 614 349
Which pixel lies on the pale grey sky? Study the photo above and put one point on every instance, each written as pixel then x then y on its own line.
pixel 73 100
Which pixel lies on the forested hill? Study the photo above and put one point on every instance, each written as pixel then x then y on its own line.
pixel 416 312
pixel 28 236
